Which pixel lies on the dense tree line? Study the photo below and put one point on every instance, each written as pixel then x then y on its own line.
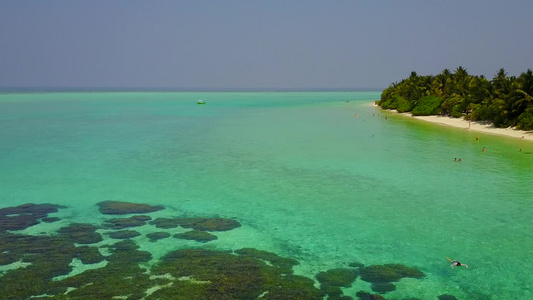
pixel 505 101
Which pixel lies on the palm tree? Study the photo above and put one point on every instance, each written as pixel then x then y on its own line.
pixel 501 84
pixel 522 96
pixel 460 81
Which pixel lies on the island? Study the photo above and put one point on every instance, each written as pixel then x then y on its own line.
pixel 504 102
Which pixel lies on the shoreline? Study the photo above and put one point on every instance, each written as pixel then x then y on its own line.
pixel 483 127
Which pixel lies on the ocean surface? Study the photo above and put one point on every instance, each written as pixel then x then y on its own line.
pixel 324 178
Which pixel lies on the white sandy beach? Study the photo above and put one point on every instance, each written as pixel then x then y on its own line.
pixel 473 126
pixel 477 126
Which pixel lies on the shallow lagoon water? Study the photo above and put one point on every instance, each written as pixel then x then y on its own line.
pixel 305 176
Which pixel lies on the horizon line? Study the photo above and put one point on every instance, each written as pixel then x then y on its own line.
pixel 8 89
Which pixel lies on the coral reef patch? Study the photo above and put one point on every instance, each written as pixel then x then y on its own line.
pixel 122 223
pixel 123 234
pixel 204 224
pixel 332 280
pixel 208 274
pixel 81 233
pixel 25 215
pixel 447 297
pixel 285 265
pixel 196 235
pixel 41 267
pixel 388 273
pixel 123 208
pixel 155 236
pixel 367 296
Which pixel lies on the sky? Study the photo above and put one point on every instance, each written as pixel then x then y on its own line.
pixel 257 44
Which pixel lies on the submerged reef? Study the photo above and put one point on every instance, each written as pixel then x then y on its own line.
pixel 284 264
pixel 81 233
pixel 332 280
pixel 447 297
pixel 382 276
pixel 208 274
pixel 123 234
pixel 388 273
pixel 89 255
pixel 204 224
pixel 123 208
pixel 26 215
pixel 45 266
pixel 43 257
pixel 122 223
pixel 368 296
pixel 196 235
pixel 155 236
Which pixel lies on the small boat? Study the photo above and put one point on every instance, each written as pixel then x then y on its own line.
pixel 200 102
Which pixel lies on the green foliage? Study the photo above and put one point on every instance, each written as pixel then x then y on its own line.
pixel 457 111
pixel 505 101
pixel 428 105
pixel 525 120
pixel 449 103
pixel 392 102
pixel 403 105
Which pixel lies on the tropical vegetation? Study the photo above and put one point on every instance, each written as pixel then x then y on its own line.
pixel 505 101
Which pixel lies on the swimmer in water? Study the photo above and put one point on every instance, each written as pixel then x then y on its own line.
pixel 456 263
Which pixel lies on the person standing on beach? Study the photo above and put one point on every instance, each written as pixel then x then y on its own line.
pixel 456 263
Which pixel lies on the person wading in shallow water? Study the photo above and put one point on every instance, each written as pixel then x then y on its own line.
pixel 456 263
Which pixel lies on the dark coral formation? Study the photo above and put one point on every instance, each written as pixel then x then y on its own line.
pixel 122 223
pixel 215 274
pixel 339 297
pixel 196 235
pixel 25 215
pixel 89 255
pixel 124 246
pixel 181 274
pixel 8 258
pixel 121 276
pixel 383 287
pixel 166 223
pixel 155 236
pixel 51 219
pixel 367 296
pixel 123 234
pixel 81 233
pixel 337 277
pixel 126 252
pixel 382 276
pixel 332 280
pixel 447 297
pixel 47 257
pixel 388 273
pixel 284 264
pixel 204 224
pixel 210 224
pixel 123 208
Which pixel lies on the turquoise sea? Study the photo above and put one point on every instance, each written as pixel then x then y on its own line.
pixel 324 178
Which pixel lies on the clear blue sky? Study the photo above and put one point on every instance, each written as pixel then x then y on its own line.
pixel 257 44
